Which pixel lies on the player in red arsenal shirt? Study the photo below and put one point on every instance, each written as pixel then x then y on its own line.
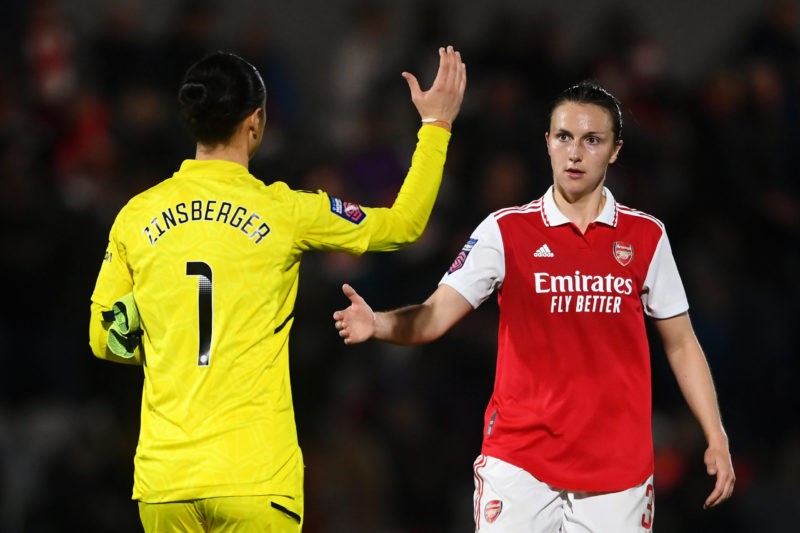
pixel 567 442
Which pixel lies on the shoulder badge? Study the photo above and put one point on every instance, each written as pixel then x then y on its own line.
pixel 462 256
pixel 347 210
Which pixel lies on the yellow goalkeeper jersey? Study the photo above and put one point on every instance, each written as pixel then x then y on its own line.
pixel 212 257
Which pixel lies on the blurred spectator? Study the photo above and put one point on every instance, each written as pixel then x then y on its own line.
pixel 363 60
pixel 118 53
pixel 49 47
pixel 148 137
pixel 189 38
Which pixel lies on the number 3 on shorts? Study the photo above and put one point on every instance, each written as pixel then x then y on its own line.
pixel 647 516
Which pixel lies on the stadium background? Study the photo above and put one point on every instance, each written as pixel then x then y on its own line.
pixel 711 94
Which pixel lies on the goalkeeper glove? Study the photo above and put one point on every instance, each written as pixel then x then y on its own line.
pixel 124 333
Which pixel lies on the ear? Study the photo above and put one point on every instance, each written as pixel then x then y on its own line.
pixel 615 154
pixel 254 119
pixel 254 124
pixel 547 140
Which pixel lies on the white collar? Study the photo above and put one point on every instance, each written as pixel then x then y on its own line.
pixel 553 216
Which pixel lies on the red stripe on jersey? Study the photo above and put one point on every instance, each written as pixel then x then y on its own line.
pixel 635 213
pixel 532 207
pixel 479 463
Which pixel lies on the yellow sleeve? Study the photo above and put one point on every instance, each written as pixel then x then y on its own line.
pixel 333 224
pixel 404 222
pixel 113 280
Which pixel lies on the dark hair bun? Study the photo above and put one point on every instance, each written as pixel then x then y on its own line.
pixel 217 93
pixel 193 94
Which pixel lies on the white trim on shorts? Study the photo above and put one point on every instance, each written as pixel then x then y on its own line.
pixel 508 499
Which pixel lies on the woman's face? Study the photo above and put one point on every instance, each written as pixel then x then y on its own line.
pixel 581 146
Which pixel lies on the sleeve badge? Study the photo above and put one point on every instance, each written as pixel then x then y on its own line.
pixel 347 210
pixel 462 256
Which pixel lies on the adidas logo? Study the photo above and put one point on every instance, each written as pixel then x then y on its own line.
pixel 544 251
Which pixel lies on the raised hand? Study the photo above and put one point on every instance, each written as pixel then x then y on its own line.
pixel 442 101
pixel 356 323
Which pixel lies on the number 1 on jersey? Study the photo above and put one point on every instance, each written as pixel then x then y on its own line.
pixel 204 308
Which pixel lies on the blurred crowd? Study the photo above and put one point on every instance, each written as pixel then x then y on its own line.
pixel 88 118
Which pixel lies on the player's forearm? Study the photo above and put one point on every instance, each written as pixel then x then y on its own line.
pixel 408 325
pixel 696 384
pixel 98 339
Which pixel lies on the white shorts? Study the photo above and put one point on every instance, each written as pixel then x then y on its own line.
pixel 509 500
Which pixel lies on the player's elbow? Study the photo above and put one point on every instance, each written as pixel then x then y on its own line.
pixel 100 349
pixel 98 340
pixel 413 230
pixel 407 223
pixel 409 240
pixel 98 333
pixel 96 351
pixel 394 239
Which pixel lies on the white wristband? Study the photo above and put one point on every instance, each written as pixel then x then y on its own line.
pixel 428 120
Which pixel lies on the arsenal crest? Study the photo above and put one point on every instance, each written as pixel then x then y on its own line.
pixel 623 252
pixel 492 510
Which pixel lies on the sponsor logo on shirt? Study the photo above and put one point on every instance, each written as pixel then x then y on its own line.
pixel 492 510
pixel 462 256
pixel 543 251
pixel 623 252
pixel 347 210
pixel 583 293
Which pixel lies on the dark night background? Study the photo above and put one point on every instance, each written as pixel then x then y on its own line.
pixel 711 97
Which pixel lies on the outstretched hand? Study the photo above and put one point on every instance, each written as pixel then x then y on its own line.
pixel 718 463
pixel 443 100
pixel 356 323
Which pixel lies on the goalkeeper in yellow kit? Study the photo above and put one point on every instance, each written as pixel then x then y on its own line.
pixel 205 265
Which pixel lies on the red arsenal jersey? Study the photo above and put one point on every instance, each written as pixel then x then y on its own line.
pixel 572 394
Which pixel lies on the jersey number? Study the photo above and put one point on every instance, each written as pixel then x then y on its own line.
pixel 647 516
pixel 204 308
